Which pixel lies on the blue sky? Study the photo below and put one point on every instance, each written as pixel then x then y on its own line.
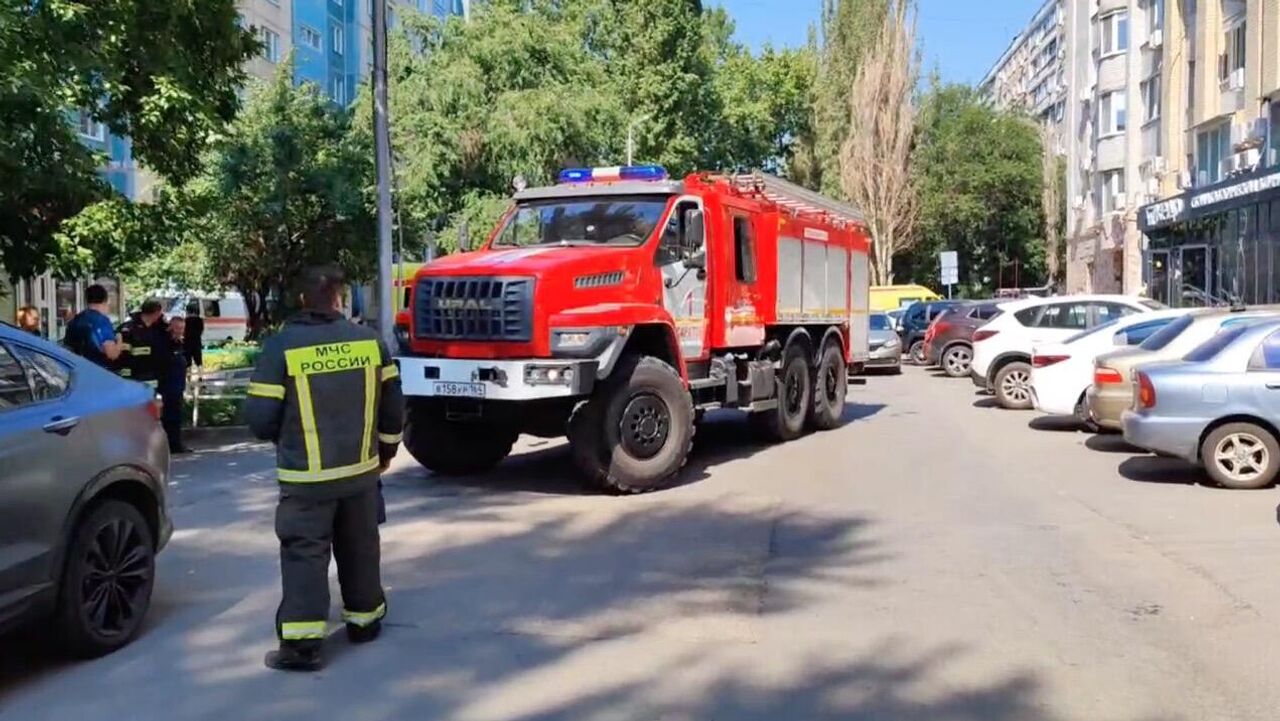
pixel 961 37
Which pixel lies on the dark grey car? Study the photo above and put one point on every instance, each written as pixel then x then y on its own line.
pixel 82 501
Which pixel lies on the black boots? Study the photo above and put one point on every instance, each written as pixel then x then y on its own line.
pixel 296 657
pixel 363 634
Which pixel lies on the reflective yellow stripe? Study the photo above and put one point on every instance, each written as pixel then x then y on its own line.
pixel 364 619
pixel 287 475
pixel 266 390
pixel 307 415
pixel 333 357
pixel 390 437
pixel 370 396
pixel 302 630
pixel 389 372
pixel 141 350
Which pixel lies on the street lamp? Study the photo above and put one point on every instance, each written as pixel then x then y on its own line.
pixel 382 162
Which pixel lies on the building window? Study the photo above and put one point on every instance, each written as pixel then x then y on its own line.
pixel 1231 61
pixel 338 40
pixel 1150 98
pixel 1155 15
pixel 1115 33
pixel 744 254
pixel 338 89
pixel 310 37
pixel 90 128
pixel 1212 147
pixel 270 44
pixel 1113 191
pixel 1112 113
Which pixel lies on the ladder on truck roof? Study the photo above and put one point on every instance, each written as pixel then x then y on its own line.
pixel 795 198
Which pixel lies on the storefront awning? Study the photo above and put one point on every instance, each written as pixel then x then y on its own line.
pixel 1231 193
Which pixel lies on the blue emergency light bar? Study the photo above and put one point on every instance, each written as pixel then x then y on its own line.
pixel 601 175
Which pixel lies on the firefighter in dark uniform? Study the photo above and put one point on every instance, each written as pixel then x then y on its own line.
pixel 145 340
pixel 327 393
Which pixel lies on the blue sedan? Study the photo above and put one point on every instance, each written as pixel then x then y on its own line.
pixel 1218 407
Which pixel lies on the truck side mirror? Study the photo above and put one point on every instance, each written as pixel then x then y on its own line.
pixel 694 232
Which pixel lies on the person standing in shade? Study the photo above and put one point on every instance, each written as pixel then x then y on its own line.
pixel 171 385
pixel 327 393
pixel 145 336
pixel 90 333
pixel 194 339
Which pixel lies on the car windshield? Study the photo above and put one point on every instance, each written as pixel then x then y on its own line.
pixel 616 220
pixel 1212 347
pixel 880 321
pixel 1091 331
pixel 1165 336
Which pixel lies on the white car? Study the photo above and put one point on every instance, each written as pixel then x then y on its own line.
pixel 1002 348
pixel 1061 373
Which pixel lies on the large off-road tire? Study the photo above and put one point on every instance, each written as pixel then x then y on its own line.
pixel 452 448
pixel 1013 386
pixel 635 433
pixel 106 581
pixel 1241 456
pixel 830 388
pixel 956 360
pixel 794 394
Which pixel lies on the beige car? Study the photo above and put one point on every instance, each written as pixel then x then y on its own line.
pixel 1112 391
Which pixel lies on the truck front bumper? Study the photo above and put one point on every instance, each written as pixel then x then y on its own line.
pixel 500 380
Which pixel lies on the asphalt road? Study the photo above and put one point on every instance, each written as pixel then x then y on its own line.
pixel 936 558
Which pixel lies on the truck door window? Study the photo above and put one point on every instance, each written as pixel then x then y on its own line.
pixel 744 251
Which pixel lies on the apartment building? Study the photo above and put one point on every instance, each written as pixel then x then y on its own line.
pixel 1211 224
pixel 1030 75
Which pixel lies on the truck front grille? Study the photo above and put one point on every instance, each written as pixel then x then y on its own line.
pixel 483 308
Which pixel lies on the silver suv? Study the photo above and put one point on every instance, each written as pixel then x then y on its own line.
pixel 83 467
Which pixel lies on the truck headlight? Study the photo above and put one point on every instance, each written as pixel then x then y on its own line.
pixel 402 337
pixel 549 375
pixel 582 342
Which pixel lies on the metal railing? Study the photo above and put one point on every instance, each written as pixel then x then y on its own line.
pixel 216 385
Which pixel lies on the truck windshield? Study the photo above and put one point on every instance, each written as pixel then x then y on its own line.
pixel 614 220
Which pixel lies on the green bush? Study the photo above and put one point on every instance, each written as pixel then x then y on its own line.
pixel 215 413
pixel 240 356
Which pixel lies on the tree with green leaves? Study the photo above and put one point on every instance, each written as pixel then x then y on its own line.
pixel 979 174
pixel 287 186
pixel 162 72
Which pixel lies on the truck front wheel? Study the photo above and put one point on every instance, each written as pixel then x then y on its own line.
pixel 636 433
pixel 450 448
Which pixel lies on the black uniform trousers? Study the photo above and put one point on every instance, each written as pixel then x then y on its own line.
pixel 310 526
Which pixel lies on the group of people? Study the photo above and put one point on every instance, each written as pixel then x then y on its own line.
pixel 145 348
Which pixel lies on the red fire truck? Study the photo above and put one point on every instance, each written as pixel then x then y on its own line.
pixel 618 305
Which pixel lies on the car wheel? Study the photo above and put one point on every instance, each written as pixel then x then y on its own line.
pixel 1241 456
pixel 917 353
pixel 107 581
pixel 956 361
pixel 1082 414
pixel 1013 386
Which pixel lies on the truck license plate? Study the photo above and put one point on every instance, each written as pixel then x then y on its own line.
pixel 459 390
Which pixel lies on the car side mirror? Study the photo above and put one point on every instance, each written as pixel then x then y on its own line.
pixel 694 234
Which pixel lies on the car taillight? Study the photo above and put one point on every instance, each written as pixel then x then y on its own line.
pixel 981 335
pixel 1107 376
pixel 1146 392
pixel 1041 361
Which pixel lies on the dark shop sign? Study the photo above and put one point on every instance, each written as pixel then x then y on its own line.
pixel 1214 199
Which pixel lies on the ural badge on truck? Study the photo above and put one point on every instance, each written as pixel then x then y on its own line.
pixel 618 305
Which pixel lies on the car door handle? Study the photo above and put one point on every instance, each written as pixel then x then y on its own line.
pixel 60 425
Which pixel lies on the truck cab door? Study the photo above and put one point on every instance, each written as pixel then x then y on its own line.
pixel 682 259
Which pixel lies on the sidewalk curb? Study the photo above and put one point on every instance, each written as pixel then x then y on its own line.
pixel 219 436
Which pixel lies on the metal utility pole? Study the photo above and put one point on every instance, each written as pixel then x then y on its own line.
pixel 382 142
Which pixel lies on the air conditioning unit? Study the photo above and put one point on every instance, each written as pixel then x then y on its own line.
pixel 1158 165
pixel 1184 180
pixel 1153 186
pixel 1250 159
pixel 1086 95
pixel 1156 39
pixel 1236 80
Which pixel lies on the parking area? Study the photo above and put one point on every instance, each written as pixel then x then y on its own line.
pixel 935 558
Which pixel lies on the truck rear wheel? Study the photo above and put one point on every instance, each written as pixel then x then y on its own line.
pixel 830 388
pixel 795 396
pixel 636 433
pixel 451 448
